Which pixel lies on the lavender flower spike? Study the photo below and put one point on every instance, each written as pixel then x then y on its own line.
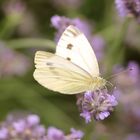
pixel 61 23
pixel 28 127
pixel 23 128
pixel 96 105
pixel 55 134
pixel 128 7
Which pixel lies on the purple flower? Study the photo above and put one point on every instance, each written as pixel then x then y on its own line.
pixel 134 71
pixel 120 4
pixel 19 127
pixel 12 62
pixel 27 127
pixel 55 134
pixel 96 105
pixel 33 120
pixel 3 133
pixel 76 134
pixel 128 7
pixel 129 77
pixel 133 137
pixel 61 23
pixel 16 7
pixel 98 44
pixel 131 109
pixel 86 115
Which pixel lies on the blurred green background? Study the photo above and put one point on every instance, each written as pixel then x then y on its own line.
pixel 27 28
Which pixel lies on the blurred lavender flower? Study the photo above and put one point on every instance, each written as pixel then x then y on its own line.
pixel 134 71
pixel 61 23
pixel 96 105
pixel 98 44
pixel 14 7
pixel 128 83
pixel 133 137
pixel 133 114
pixel 76 134
pixel 128 7
pixel 22 128
pixel 12 63
pixel 28 127
pixel 57 134
pixel 129 97
pixel 3 133
pixel 128 78
pixel 28 26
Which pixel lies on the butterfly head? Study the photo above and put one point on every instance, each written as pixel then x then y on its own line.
pixel 97 83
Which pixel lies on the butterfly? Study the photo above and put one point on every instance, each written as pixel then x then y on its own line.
pixel 72 69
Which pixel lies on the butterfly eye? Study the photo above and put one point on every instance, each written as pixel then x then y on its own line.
pixel 69 46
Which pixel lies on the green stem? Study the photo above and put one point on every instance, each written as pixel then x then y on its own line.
pixel 8 25
pixel 117 49
pixel 107 32
pixel 31 43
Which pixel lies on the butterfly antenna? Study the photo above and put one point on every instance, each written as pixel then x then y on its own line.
pixel 124 71
pixel 109 83
pixel 112 87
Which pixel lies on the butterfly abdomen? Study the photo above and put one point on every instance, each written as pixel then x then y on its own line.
pixel 97 83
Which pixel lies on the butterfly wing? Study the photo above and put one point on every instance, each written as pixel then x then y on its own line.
pixel 74 46
pixel 58 74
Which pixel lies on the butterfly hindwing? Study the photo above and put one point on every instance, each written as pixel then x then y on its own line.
pixel 59 74
pixel 74 47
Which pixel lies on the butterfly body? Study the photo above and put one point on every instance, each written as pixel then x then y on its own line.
pixel 97 83
pixel 72 69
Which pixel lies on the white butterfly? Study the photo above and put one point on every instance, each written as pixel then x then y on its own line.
pixel 72 69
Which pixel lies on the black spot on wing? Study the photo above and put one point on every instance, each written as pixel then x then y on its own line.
pixel 49 64
pixel 69 46
pixel 68 58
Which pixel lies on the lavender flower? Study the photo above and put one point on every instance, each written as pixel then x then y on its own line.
pixel 130 77
pixel 128 81
pixel 96 105
pixel 128 7
pixel 57 134
pixel 133 114
pixel 27 127
pixel 61 23
pixel 98 44
pixel 133 137
pixel 75 135
pixel 3 133
pixel 129 97
pixel 14 7
pixel 134 71
pixel 12 62
pixel 22 128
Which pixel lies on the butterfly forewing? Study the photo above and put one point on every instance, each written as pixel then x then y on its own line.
pixel 74 47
